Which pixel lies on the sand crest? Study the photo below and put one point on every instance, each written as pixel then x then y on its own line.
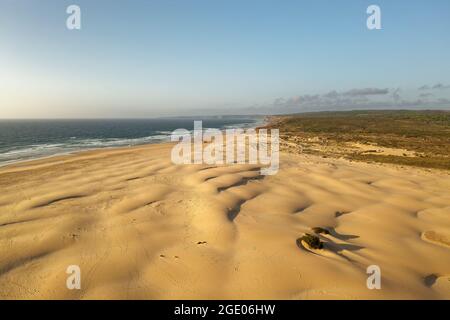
pixel 140 227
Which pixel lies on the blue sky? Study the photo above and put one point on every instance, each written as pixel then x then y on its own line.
pixel 142 58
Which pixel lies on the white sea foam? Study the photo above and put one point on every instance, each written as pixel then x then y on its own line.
pixel 72 145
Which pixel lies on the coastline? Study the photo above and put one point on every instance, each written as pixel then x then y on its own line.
pixel 254 125
pixel 268 122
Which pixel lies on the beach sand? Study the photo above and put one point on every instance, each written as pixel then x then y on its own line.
pixel 140 227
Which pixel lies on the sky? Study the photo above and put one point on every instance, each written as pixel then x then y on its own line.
pixel 148 58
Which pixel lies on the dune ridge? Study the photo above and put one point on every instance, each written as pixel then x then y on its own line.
pixel 141 227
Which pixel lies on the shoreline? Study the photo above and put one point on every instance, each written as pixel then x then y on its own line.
pixel 74 153
pixel 98 152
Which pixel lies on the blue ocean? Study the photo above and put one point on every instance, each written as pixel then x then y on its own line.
pixel 29 139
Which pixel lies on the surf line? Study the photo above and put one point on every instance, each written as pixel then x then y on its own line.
pixel 185 310
pixel 237 146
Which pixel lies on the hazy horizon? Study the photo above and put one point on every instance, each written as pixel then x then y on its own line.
pixel 150 59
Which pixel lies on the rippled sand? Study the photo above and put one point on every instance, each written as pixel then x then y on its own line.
pixel 140 227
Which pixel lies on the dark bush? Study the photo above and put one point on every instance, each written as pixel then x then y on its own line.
pixel 311 240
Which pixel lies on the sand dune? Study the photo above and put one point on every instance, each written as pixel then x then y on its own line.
pixel 140 227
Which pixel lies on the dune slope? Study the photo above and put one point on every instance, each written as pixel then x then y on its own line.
pixel 140 227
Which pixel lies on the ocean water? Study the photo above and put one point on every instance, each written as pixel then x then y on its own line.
pixel 29 139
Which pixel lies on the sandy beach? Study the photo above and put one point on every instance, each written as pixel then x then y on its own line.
pixel 140 227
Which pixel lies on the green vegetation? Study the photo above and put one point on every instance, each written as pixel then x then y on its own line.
pixel 311 240
pixel 424 134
